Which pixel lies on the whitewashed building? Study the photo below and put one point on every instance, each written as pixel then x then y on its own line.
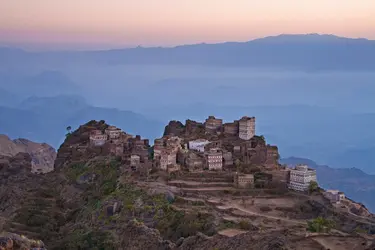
pixel 198 144
pixel 246 128
pixel 301 177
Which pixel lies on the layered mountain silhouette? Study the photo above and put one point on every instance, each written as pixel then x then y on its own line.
pixel 45 119
pixel 311 51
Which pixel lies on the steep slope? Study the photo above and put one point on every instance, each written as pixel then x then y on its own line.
pixel 94 200
pixel 352 181
pixel 42 155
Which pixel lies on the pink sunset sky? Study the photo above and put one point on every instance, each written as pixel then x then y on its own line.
pixel 128 23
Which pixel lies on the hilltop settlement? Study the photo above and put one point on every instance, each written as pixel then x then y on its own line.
pixel 210 146
pixel 202 185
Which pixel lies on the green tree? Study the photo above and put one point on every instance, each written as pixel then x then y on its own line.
pixel 320 225
pixel 69 131
pixel 313 186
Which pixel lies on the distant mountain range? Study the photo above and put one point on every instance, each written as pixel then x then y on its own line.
pixel 44 119
pixel 355 183
pixel 311 52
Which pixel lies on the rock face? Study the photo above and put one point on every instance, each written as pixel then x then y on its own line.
pixel 138 236
pixel 9 241
pixel 174 128
pixel 42 155
pixel 91 202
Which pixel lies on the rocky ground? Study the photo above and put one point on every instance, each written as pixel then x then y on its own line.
pixel 42 155
pixel 95 201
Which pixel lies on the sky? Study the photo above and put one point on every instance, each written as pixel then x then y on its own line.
pixel 129 23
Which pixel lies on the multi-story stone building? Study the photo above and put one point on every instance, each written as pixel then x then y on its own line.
pixel 246 128
pixel 167 159
pixel 139 147
pixel 301 177
pixel 273 156
pixel 215 159
pixel 212 124
pixel 244 180
pixel 113 132
pixel 97 138
pixel 198 145
pixel 231 129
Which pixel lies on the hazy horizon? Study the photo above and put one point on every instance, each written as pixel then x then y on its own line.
pixel 63 48
pixel 118 24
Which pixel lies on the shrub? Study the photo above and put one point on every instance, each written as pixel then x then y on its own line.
pixel 320 224
pixel 244 225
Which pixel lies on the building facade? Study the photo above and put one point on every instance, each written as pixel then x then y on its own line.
pixel 301 177
pixel 212 124
pixel 97 138
pixel 244 180
pixel 246 129
pixel 231 128
pixel 113 132
pixel 334 196
pixel 215 159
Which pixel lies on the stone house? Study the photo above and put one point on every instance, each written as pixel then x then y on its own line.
pixel 97 138
pixel 244 180
pixel 113 132
pixel 215 159
pixel 301 177
pixel 140 147
pixel 334 196
pixel 212 124
pixel 272 157
pixel 246 128
pixel 231 129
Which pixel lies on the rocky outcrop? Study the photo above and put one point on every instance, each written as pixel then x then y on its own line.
pixel 42 155
pixel 10 241
pixel 174 128
pixel 76 148
pixel 137 236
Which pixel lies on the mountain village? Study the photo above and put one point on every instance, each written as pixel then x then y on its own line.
pixel 213 146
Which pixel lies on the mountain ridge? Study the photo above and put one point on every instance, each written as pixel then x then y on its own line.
pixel 281 36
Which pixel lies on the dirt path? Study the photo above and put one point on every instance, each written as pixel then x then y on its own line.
pixel 235 206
